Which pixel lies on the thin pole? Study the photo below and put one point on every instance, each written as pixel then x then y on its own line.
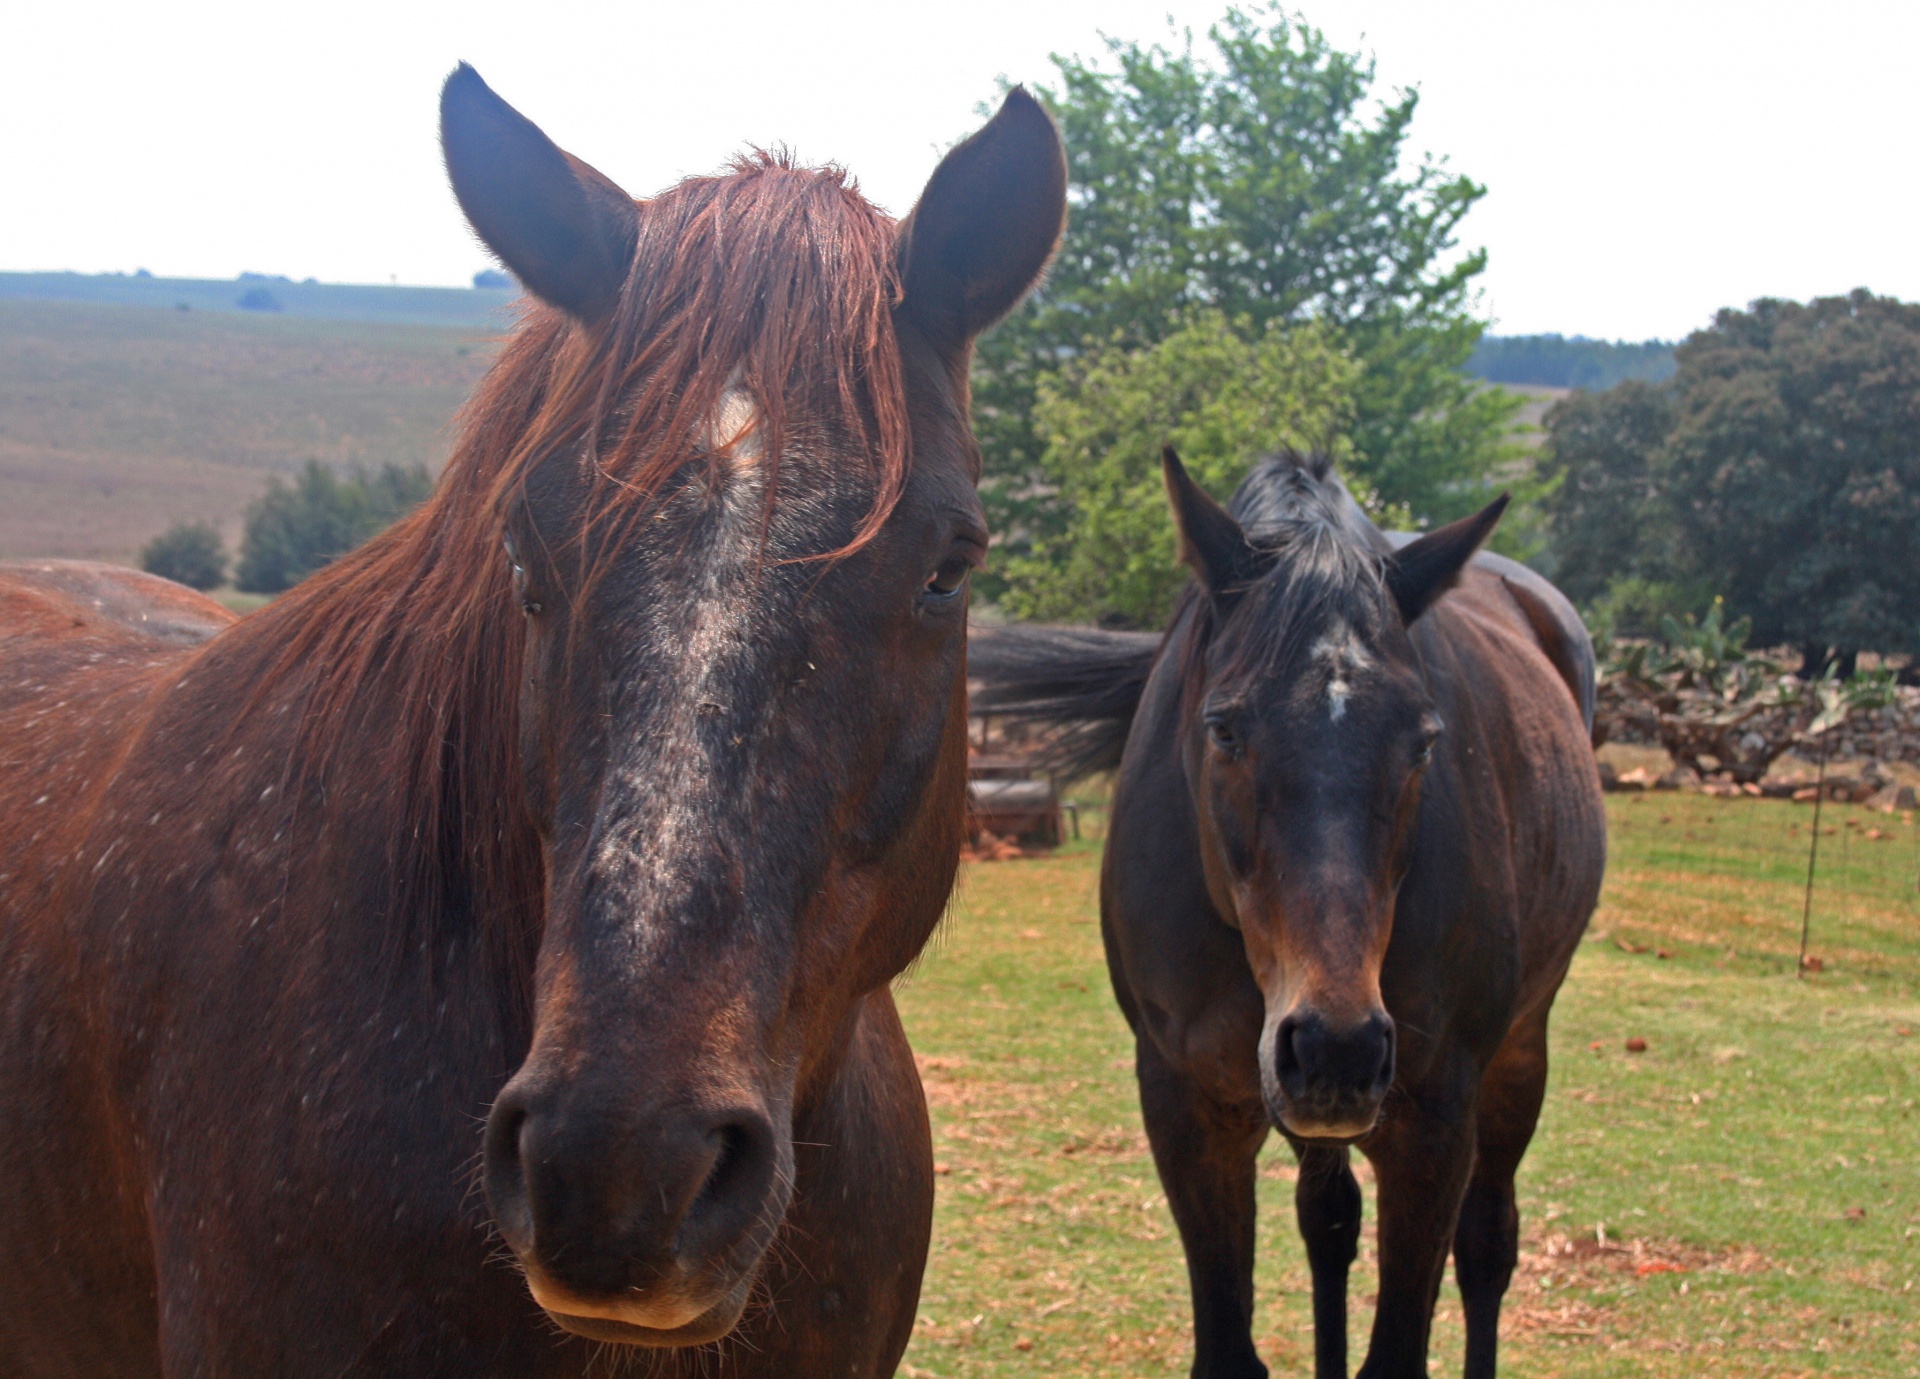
pixel 1813 850
pixel 1916 858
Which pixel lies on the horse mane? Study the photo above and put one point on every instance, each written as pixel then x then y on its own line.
pixel 1322 555
pixel 404 658
pixel 1322 558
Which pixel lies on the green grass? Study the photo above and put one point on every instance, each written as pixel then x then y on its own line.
pixel 239 601
pixel 1754 1174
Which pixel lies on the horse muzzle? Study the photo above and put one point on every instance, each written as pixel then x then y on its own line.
pixel 640 1229
pixel 1325 1080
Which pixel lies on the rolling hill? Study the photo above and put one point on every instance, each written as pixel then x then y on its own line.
pixel 118 420
pixel 129 402
pixel 480 308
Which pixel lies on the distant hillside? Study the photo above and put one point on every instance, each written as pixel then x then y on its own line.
pixel 472 308
pixel 116 421
pixel 1559 361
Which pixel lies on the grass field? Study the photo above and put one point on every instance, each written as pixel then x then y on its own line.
pixel 1742 1198
pixel 116 421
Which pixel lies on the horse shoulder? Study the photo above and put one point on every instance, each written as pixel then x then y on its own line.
pixel 1545 804
pixel 1526 619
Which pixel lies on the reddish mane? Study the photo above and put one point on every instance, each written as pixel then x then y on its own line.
pixel 455 968
pixel 775 279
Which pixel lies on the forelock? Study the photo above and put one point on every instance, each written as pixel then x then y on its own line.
pixel 1324 586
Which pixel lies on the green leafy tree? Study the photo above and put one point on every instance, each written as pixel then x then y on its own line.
pixel 189 553
pixel 1793 470
pixel 1222 396
pixel 1262 183
pixel 294 530
pixel 1780 468
pixel 1601 505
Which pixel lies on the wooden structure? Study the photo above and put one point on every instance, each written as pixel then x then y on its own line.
pixel 1005 797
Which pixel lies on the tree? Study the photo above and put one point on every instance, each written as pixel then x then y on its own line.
pixel 1560 362
pixel 189 553
pixel 1780 468
pixel 1600 506
pixel 1793 470
pixel 1222 396
pixel 1256 183
pixel 293 531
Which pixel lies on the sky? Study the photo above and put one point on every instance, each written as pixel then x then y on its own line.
pixel 1646 163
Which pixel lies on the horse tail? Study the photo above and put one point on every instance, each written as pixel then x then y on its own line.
pixel 1083 682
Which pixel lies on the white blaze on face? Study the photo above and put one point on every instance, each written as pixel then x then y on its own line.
pixel 1339 650
pixel 734 428
pixel 711 631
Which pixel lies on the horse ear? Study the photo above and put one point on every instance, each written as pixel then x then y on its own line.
pixel 1421 571
pixel 566 231
pixel 1211 541
pixel 986 224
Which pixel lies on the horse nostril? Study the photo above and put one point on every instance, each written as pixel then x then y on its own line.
pixel 738 1179
pixel 504 1159
pixel 1383 1074
pixel 734 1145
pixel 1293 1052
pixel 503 1137
pixel 1314 1061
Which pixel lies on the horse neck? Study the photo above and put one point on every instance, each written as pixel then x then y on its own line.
pixel 388 683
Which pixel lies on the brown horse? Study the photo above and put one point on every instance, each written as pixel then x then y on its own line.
pixel 1356 837
pixel 483 950
pixel 116 599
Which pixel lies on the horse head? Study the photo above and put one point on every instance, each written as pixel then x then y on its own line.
pixel 1308 729
pixel 739 514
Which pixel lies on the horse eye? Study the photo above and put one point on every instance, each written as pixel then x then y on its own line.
pixel 947 581
pixel 1220 732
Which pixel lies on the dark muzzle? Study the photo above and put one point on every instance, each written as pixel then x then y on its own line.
pixel 1327 1081
pixel 643 1226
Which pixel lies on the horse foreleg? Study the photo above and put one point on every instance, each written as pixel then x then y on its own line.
pixel 1327 1200
pixel 1422 1154
pixel 1486 1243
pixel 842 1283
pixel 1206 1154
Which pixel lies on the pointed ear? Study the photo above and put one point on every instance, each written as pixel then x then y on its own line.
pixel 1421 571
pixel 986 224
pixel 1211 542
pixel 565 230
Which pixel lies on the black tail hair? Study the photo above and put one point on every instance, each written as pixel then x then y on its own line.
pixel 1085 681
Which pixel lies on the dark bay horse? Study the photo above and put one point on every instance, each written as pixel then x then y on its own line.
pixel 1356 837
pixel 482 952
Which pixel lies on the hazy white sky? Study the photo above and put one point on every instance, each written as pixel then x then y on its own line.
pixel 1647 162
